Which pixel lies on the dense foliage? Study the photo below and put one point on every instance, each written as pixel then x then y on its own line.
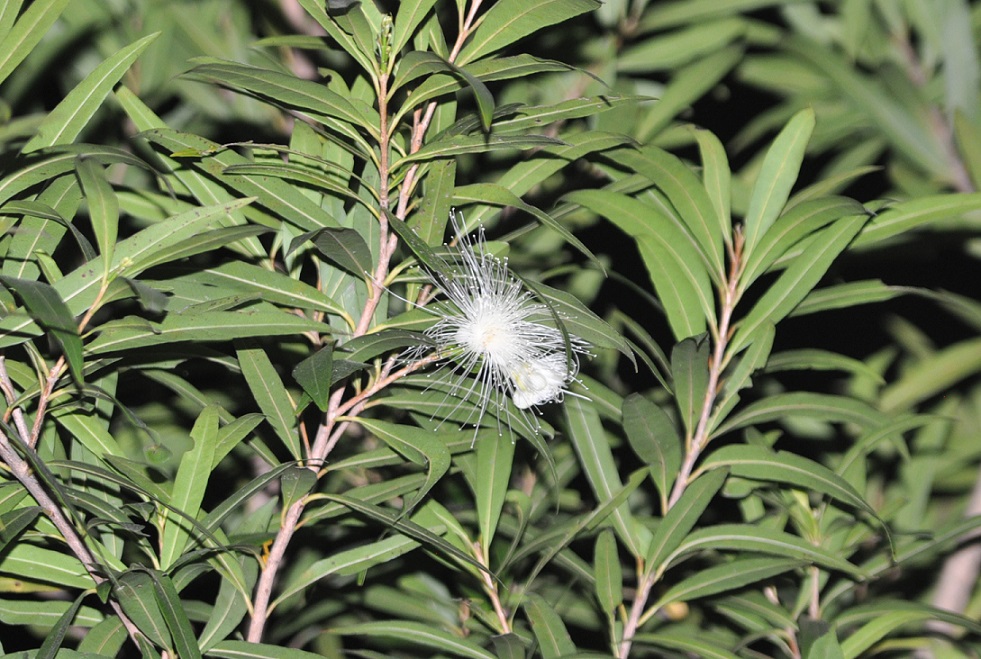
pixel 258 260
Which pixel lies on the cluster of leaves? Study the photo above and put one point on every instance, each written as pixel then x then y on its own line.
pixel 212 444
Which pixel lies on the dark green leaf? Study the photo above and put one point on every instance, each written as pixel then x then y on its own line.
pixel 172 609
pixel 606 568
pixel 654 439
pixel 316 374
pixel 682 518
pixel 344 247
pixel 136 593
pixel 689 369
pixel 49 310
pixel 547 626
pixel 56 635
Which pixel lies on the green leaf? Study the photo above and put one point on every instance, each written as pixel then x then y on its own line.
pixel 189 485
pixel 688 84
pixel 245 650
pixel 342 246
pixel 56 635
pixel 689 369
pixel 728 576
pixel 63 124
pixel 673 262
pixel 27 32
pixel 578 320
pixel 13 523
pixel 289 91
pixel 136 333
pixel 483 96
pixel 410 14
pixel 717 180
pixel 677 522
pixel 278 196
pixel 683 641
pixel 416 634
pixel 316 374
pixel 777 176
pixel 685 192
pixel 349 562
pixel 917 212
pixel 458 145
pixel 295 483
pixel 821 360
pixel 591 444
pixel 274 286
pixel 46 307
pixel 842 296
pixel 429 223
pixel 931 375
pixel 796 282
pixel 790 228
pixel 761 463
pixel 738 378
pixel 172 609
pixel 496 195
pixel 827 407
pixel 420 446
pixel 547 626
pixel 494 457
pixel 136 593
pixel 887 616
pixel 607 570
pixel 105 639
pixel 759 539
pixel 655 440
pixel 103 207
pixel 271 396
pixel 367 347
pixel 818 640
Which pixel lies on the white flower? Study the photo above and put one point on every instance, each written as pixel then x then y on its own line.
pixel 492 330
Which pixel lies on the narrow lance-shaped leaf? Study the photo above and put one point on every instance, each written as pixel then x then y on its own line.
pixel 654 439
pixel 27 32
pixel 174 614
pixel 103 207
pixel 315 375
pixel 494 458
pixel 509 20
pixel 189 485
pixel 271 396
pixel 66 121
pixel 547 626
pixel 798 280
pixel 777 176
pixel 682 518
pixel 680 280
pixel 606 568
pixel 589 439
pixel 49 310
pixel 689 368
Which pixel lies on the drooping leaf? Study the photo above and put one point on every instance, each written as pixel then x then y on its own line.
pixel 46 307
